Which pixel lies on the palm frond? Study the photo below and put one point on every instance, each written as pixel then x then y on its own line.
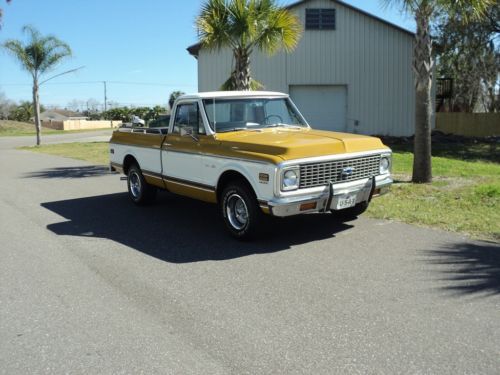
pixel 230 85
pixel 16 49
pixel 469 9
pixel 212 24
pixel 281 29
pixel 55 51
pixel 40 53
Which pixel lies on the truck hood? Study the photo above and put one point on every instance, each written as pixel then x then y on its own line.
pixel 289 144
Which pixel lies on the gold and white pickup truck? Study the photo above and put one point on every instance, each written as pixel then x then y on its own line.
pixel 253 154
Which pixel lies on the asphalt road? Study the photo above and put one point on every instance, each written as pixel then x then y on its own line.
pixel 90 284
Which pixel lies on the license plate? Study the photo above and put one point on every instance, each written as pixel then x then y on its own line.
pixel 346 201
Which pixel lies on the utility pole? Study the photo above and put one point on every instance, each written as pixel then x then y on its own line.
pixel 105 97
pixel 106 102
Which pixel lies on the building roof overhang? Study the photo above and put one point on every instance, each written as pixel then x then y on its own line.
pixel 195 48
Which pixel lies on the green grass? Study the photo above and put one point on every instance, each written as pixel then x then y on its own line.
pixel 10 128
pixel 94 152
pixel 16 128
pixel 464 196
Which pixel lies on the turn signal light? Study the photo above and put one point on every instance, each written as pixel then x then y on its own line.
pixel 308 206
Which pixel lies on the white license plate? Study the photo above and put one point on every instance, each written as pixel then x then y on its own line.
pixel 346 201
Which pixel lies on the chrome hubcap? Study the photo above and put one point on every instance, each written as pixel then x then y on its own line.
pixel 135 184
pixel 237 212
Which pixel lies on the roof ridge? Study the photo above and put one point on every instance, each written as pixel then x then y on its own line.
pixel 195 48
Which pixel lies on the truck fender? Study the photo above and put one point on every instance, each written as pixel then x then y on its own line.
pixel 237 169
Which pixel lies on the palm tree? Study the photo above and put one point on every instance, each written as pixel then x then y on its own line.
pixel 245 25
pixel 38 56
pixel 173 97
pixel 424 11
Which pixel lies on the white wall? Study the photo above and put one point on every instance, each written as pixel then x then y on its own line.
pixel 370 57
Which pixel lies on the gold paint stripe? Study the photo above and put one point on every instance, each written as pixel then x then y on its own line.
pixel 188 185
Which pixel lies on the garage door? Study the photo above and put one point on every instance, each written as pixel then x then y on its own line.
pixel 324 107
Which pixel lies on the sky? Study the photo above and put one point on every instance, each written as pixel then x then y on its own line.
pixel 137 46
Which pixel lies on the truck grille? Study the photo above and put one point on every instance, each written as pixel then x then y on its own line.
pixel 320 174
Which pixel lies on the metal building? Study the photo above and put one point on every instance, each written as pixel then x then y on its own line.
pixel 351 71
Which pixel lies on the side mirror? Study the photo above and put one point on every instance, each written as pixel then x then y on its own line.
pixel 188 132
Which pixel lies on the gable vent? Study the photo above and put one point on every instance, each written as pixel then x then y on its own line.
pixel 320 19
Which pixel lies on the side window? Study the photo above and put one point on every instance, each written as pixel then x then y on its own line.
pixel 188 116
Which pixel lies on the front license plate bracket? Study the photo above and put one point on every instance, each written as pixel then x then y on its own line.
pixel 345 201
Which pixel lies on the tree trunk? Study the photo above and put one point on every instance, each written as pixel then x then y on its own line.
pixel 241 73
pixel 36 107
pixel 423 65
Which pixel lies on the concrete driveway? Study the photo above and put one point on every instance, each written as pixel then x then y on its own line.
pixel 91 284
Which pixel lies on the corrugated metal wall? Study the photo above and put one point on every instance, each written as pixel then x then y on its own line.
pixel 372 58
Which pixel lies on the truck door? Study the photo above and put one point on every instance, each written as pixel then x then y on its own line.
pixel 181 158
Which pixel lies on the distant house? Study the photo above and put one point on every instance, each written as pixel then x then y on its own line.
pixel 61 115
pixel 351 71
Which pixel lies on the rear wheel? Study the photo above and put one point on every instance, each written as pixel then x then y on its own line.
pixel 240 211
pixel 140 192
pixel 350 213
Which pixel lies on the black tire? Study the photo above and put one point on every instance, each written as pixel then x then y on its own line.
pixel 139 191
pixel 240 211
pixel 351 213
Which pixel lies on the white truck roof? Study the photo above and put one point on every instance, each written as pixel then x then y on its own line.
pixel 234 95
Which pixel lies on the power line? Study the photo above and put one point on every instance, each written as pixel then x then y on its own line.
pixel 100 82
pixel 148 83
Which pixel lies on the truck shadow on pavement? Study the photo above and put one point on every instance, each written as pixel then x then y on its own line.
pixel 179 230
pixel 70 172
pixel 468 268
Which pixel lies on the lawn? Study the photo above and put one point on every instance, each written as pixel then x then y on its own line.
pixel 16 128
pixel 93 152
pixel 464 196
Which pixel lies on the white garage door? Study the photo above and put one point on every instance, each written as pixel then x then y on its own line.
pixel 323 106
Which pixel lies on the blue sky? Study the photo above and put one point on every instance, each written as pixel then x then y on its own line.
pixel 138 41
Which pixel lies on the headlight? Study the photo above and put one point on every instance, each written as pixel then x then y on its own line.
pixel 385 164
pixel 290 179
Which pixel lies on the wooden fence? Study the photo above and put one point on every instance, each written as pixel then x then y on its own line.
pixel 469 124
pixel 80 124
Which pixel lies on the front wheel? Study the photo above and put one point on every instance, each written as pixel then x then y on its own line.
pixel 351 213
pixel 240 211
pixel 140 192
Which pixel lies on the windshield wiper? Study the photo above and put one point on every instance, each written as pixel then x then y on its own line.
pixel 279 124
pixel 237 129
pixel 230 130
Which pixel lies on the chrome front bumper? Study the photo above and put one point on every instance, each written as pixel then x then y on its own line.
pixel 328 198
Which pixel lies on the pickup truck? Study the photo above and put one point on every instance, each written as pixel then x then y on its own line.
pixel 254 155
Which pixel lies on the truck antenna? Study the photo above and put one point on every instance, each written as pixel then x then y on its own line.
pixel 215 121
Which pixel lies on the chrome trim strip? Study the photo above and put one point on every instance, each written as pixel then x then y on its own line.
pixel 133 145
pixel 157 131
pixel 152 174
pixel 238 159
pixel 189 185
pixel 334 157
pixel 168 149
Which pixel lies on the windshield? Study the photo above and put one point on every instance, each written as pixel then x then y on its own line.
pixel 227 115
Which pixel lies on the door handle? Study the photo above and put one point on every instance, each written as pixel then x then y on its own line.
pixel 167 144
